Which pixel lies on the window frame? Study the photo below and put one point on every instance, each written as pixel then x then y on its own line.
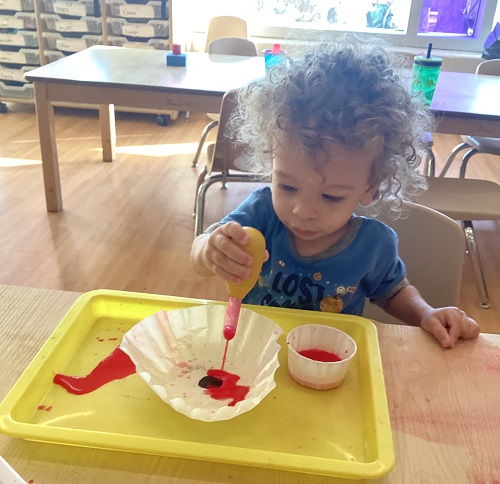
pixel 410 39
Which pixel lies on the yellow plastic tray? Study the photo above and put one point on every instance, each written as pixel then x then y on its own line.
pixel 344 432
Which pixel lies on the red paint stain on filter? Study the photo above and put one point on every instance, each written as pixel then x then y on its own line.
pixel 222 385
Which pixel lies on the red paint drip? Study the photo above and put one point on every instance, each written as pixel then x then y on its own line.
pixel 224 357
pixel 116 366
pixel 228 389
pixel 320 355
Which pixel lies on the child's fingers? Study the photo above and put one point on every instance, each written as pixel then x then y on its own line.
pixel 441 334
pixel 227 268
pixel 234 231
pixel 229 236
pixel 461 326
pixel 470 329
pixel 224 257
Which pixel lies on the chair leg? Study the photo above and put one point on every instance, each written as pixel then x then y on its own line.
pixel 477 269
pixel 465 161
pixel 203 137
pixel 430 162
pixel 199 211
pixel 454 152
pixel 201 179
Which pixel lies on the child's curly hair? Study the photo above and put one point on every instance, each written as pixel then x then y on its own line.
pixel 346 92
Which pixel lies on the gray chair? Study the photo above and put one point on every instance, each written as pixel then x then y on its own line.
pixel 476 144
pixel 228 46
pixel 225 161
pixel 466 199
pixel 432 246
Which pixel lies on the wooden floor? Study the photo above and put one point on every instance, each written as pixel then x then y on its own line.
pixel 128 225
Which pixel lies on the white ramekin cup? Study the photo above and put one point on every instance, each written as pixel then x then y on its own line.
pixel 318 374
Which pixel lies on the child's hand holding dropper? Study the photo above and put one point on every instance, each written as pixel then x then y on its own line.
pixel 218 253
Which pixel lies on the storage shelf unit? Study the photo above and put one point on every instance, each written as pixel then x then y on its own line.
pixel 19 50
pixel 37 32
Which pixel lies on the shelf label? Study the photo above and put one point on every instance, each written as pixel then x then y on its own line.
pixel 71 26
pixel 71 45
pixel 12 75
pixel 137 11
pixel 12 57
pixel 136 30
pixel 70 8
pixel 12 39
pixel 11 22
pixel 11 5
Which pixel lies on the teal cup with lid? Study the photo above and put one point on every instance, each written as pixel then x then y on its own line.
pixel 425 76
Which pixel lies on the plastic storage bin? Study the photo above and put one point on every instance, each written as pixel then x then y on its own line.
pixel 150 10
pixel 15 91
pixel 153 28
pixel 19 39
pixel 72 8
pixel 8 75
pixel 20 20
pixel 58 41
pixel 18 5
pixel 161 44
pixel 54 23
pixel 22 56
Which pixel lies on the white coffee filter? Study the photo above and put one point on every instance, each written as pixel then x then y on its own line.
pixel 318 374
pixel 172 351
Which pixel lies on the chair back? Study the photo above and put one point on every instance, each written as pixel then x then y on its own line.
pixel 233 46
pixel 222 155
pixel 489 67
pixel 432 246
pixel 225 26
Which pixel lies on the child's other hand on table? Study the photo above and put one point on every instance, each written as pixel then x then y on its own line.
pixel 448 324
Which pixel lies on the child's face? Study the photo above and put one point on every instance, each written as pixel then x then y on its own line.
pixel 316 203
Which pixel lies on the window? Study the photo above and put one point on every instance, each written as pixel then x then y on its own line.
pixel 448 24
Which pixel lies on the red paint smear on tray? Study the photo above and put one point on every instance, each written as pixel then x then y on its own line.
pixel 45 407
pixel 320 355
pixel 228 389
pixel 116 366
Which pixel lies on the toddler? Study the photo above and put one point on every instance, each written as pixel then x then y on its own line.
pixel 335 129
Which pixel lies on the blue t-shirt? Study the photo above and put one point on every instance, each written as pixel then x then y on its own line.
pixel 363 264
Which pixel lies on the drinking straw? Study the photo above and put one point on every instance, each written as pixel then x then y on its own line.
pixel 429 50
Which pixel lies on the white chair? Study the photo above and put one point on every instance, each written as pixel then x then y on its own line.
pixel 466 199
pixel 225 26
pixel 476 144
pixel 432 246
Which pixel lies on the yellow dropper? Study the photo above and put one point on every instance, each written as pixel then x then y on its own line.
pixel 256 248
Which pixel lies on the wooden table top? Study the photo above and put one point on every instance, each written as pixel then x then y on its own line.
pixel 145 69
pixel 444 407
pixel 459 93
